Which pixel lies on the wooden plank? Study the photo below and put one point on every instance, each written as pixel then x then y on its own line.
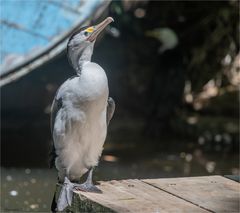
pixel 133 196
pixel 214 193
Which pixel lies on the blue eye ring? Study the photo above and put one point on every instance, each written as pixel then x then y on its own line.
pixel 85 33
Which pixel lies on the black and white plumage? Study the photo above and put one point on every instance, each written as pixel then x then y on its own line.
pixel 81 111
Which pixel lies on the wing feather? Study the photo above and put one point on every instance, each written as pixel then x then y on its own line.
pixel 56 106
pixel 110 109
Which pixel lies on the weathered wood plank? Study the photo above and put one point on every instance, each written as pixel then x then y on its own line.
pixel 215 193
pixel 134 196
pixel 81 203
pixel 196 194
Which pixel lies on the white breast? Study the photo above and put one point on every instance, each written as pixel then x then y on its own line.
pixel 80 126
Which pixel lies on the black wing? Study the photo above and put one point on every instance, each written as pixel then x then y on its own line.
pixel 110 109
pixel 56 106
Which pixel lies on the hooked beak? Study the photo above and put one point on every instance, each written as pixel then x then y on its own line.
pixel 99 28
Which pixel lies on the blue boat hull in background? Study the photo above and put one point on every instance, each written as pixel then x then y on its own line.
pixel 36 31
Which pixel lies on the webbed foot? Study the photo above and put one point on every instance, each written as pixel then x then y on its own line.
pixel 88 186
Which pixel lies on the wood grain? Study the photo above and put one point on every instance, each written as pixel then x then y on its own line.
pixel 193 194
pixel 137 196
pixel 215 193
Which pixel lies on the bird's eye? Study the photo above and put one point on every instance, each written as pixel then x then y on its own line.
pixel 85 33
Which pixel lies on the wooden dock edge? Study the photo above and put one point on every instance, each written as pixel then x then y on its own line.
pixel 81 203
pixel 190 194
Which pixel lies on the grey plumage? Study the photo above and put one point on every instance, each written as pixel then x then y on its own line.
pixel 56 106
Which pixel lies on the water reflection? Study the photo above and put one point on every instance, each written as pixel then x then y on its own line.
pixel 23 190
pixel 13 193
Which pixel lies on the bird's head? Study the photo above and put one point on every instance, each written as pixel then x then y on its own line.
pixel 81 42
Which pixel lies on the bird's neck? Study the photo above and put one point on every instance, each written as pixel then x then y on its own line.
pixel 84 58
pixel 80 55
